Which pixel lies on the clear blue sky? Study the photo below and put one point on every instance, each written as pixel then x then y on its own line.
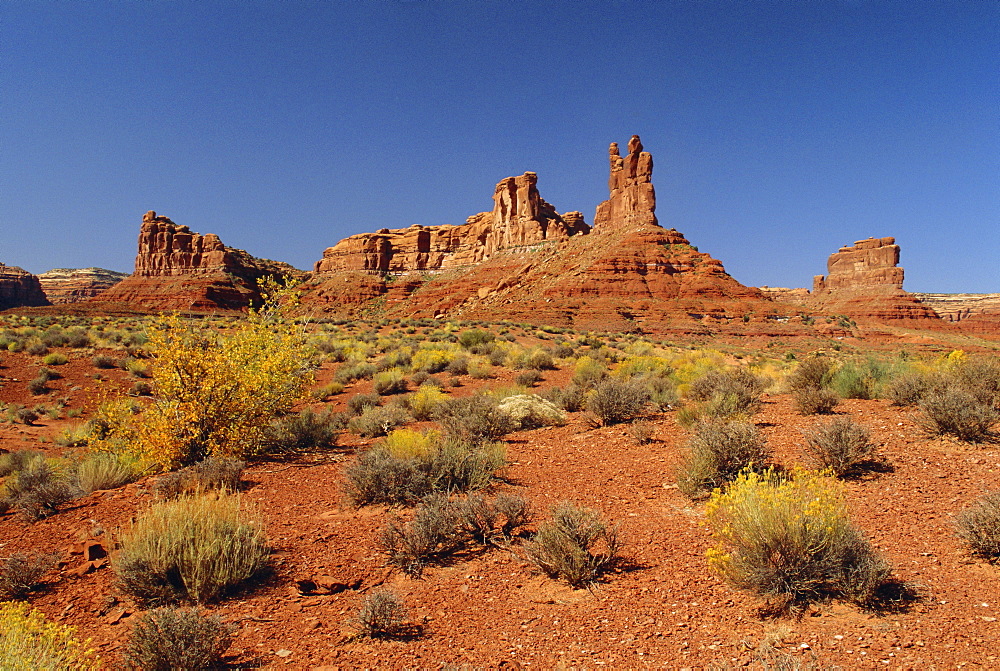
pixel 779 130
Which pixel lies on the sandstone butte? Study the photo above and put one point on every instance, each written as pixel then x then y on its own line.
pixel 178 269
pixel 71 285
pixel 19 288
pixel 526 262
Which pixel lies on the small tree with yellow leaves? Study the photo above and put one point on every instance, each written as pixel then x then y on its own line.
pixel 790 539
pixel 213 393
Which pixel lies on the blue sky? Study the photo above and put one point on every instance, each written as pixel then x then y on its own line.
pixel 779 130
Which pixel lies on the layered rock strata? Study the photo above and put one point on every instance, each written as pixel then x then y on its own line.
pixel 519 217
pixel 71 285
pixel 178 269
pixel 959 307
pixel 19 288
pixel 865 281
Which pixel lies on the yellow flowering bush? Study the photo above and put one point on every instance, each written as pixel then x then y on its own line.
pixel 28 641
pixel 214 394
pixel 790 538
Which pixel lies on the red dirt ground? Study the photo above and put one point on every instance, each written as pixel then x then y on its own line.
pixel 662 608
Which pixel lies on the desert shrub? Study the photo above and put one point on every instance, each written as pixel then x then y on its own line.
pixel 351 372
pixel 358 403
pixel 36 347
pixel 215 393
pixel 29 641
pixel 38 489
pixel 474 418
pixel 576 545
pixel 528 378
pixel 434 532
pixel 54 336
pixel 21 573
pixel 475 337
pixel 615 401
pixel 55 359
pixel 979 526
pixel 957 412
pixel 980 376
pixel 814 400
pixel 104 470
pixel 641 432
pixel 860 379
pixel 538 359
pixel 718 452
pixel 478 370
pixel 38 386
pixel 841 445
pixel 400 358
pixel 588 372
pixel 212 474
pixel 432 360
pixel 458 366
pixel 192 547
pixel 409 466
pixel 137 367
pixel 791 540
pixel 490 522
pixel 570 398
pixel 305 430
pixel 74 436
pixel 11 462
pixel 728 393
pixel 909 388
pixel 378 421
pixel 103 361
pixel 327 390
pixel 662 391
pixel 811 373
pixel 383 614
pixel 177 639
pixel 388 382
pixel 78 338
pixel 529 411
pixel 497 356
pixel 424 401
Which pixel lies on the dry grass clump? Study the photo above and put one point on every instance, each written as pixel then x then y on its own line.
pixel 475 418
pixel 722 395
pixel 383 614
pixel 529 411
pixel 378 420
pixel 193 547
pixel 409 465
pixel 718 452
pixel 979 526
pixel 791 540
pixel 104 470
pixel 841 445
pixel 306 430
pixel 21 573
pixel 576 545
pixel 212 474
pixel 615 401
pixel 38 489
pixel 177 639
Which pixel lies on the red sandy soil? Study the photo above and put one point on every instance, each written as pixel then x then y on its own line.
pixel 661 608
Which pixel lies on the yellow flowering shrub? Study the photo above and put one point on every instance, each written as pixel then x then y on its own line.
pixel 28 642
pixel 790 538
pixel 214 394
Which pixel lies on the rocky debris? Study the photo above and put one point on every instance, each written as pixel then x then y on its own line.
pixel 70 285
pixel 959 307
pixel 19 288
pixel 633 200
pixel 519 217
pixel 178 269
pixel 864 281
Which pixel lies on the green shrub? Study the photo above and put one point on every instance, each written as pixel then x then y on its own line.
pixel 177 639
pixel 378 421
pixel 841 446
pixel 474 337
pixel 717 453
pixel 104 470
pixel 860 379
pixel 576 545
pixel 588 372
pixel 348 373
pixel 474 418
pixel 728 394
pixel 528 378
pixel 192 547
pixel 791 540
pixel 662 392
pixel 29 641
pixel 358 403
pixel 959 413
pixel 55 359
pixel 423 403
pixel 570 398
pixel 388 382
pixel 615 401
pixel 306 430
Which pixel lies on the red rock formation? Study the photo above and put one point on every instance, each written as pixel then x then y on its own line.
pixel 177 269
pixel 70 285
pixel 633 200
pixel 864 281
pixel 519 217
pixel 19 288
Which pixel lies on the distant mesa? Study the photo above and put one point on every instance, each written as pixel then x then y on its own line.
pixel 973 312
pixel 865 281
pixel 178 269
pixel 19 288
pixel 523 260
pixel 72 285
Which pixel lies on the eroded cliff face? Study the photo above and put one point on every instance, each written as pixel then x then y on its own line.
pixel 71 285
pixel 633 200
pixel 519 217
pixel 865 281
pixel 178 269
pixel 19 288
